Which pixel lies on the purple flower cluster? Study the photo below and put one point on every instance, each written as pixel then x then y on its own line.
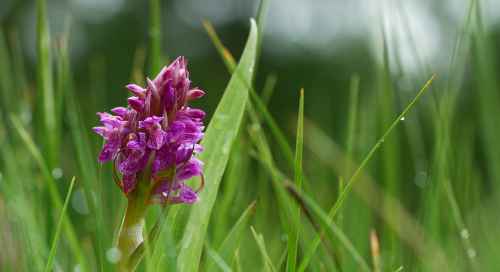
pixel 158 120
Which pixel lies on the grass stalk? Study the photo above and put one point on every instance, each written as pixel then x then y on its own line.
pixel 294 232
pixel 59 228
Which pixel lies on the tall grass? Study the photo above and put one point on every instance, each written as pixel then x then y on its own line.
pixel 424 197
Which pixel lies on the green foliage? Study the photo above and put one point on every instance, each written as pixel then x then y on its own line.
pixel 430 191
pixel 187 223
pixel 59 228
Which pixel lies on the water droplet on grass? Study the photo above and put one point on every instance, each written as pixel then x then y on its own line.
pixel 113 255
pixel 402 118
pixel 472 252
pixel 26 117
pixel 421 179
pixel 284 237
pixel 57 173
pixel 256 127
pixel 465 234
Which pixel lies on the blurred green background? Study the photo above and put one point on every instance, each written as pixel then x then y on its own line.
pixel 430 191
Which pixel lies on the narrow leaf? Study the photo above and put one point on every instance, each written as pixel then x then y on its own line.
pixel 294 233
pixel 263 250
pixel 59 227
pixel 234 238
pixel 338 232
pixel 217 259
pixel 155 34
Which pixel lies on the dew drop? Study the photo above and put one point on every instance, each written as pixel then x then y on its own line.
pixel 113 255
pixel 256 127
pixel 284 237
pixel 472 252
pixel 465 234
pixel 153 31
pixel 57 173
pixel 383 140
pixel 402 118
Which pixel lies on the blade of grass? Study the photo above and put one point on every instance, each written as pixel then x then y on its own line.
pixel 234 238
pixel 328 243
pixel 218 140
pixel 6 75
pixel 155 34
pixel 268 88
pixel 59 228
pixel 294 232
pixel 277 178
pixel 327 221
pixel 18 62
pixel 461 225
pixel 54 194
pixel 261 22
pixel 336 207
pixel 238 261
pixel 487 86
pixel 263 250
pixel 45 87
pixel 217 258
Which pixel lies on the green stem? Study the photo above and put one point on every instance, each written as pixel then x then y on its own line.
pixel 130 236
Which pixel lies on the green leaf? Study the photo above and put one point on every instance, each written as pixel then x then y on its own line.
pixel 59 227
pixel 235 237
pixel 262 247
pixel 217 259
pixel 294 232
pixel 6 76
pixel 181 241
pixel 45 86
pixel 155 34
pixel 338 232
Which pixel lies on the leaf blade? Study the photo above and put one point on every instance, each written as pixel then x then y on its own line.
pixel 59 227
pixel 235 237
pixel 186 224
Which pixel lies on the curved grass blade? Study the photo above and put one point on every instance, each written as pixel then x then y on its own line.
pixel 262 247
pixel 59 227
pixel 338 232
pixel 461 225
pixel 342 196
pixel 186 224
pixel 217 259
pixel 294 232
pixel 234 238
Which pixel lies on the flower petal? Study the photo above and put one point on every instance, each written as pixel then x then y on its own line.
pixel 187 194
